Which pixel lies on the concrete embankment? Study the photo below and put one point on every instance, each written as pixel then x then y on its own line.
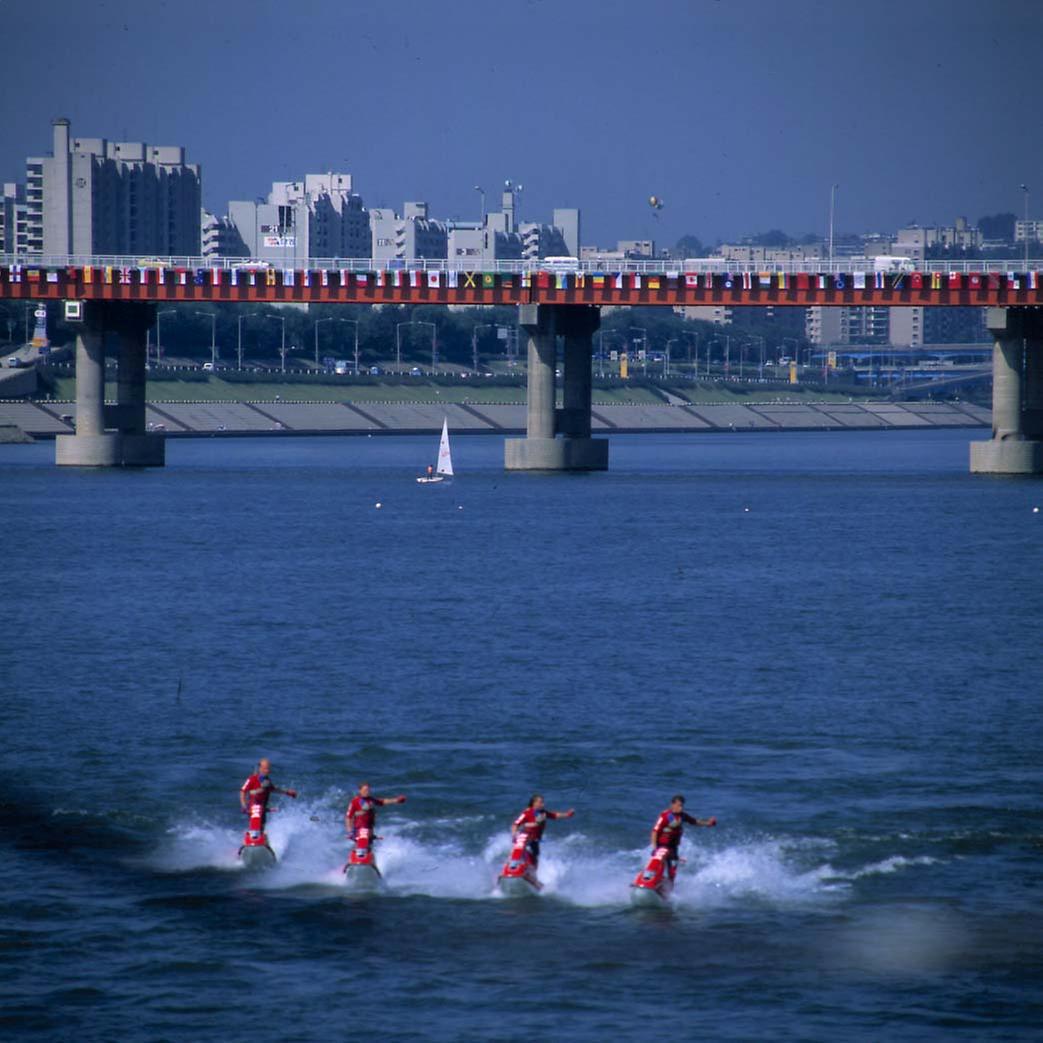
pixel 188 419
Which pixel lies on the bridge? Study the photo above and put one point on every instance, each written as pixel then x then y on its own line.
pixel 559 298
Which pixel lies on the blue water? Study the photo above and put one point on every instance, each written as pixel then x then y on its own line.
pixel 831 642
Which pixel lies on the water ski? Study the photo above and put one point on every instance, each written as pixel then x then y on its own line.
pixel 361 875
pixel 653 886
pixel 518 877
pixel 256 853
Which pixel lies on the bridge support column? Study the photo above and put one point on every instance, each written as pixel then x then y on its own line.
pixel 139 448
pixel 1016 446
pixel 111 436
pixel 541 449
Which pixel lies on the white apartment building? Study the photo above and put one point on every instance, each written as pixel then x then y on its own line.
pixel 92 196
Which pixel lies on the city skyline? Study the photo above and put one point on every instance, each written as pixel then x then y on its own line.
pixel 710 109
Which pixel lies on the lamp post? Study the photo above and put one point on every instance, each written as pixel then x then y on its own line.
pixel 644 346
pixel 282 344
pixel 212 316
pixel 353 322
pixel 474 341
pixel 398 341
pixel 481 192
pixel 239 334
pixel 832 210
pixel 1024 189
pixel 666 358
pixel 159 343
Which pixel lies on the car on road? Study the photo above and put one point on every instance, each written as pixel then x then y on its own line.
pixel 14 362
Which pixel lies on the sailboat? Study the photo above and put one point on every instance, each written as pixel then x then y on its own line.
pixel 444 468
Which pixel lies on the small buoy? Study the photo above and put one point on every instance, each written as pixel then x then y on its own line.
pixel 378 505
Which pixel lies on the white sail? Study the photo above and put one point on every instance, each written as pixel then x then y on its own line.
pixel 445 460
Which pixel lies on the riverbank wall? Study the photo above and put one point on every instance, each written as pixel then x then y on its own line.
pixel 195 419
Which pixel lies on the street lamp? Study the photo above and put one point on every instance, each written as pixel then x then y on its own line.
pixel 666 359
pixel 481 192
pixel 1025 189
pixel 644 346
pixel 398 341
pixel 159 343
pixel 212 316
pixel 354 322
pixel 282 344
pixel 832 208
pixel 474 341
pixel 239 334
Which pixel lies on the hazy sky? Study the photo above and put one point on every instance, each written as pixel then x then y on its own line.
pixel 739 114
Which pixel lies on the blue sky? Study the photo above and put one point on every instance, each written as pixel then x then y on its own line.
pixel 740 115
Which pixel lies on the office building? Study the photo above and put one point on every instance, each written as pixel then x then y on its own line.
pixel 1028 230
pixel 219 237
pixel 12 218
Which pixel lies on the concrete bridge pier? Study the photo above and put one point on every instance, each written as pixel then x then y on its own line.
pixel 111 436
pixel 558 439
pixel 1016 446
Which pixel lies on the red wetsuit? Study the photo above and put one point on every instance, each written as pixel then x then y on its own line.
pixel 532 823
pixel 669 828
pixel 362 812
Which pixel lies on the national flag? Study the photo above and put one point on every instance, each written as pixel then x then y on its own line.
pixel 1013 283
pixel 325 277
pixel 617 280
pixel 471 280
pixel 32 274
pixel 955 280
pixel 434 279
pixel 994 280
pixel 936 280
pixel 506 280
pixel 88 273
pixel 362 279
pixel 108 273
pixel 839 281
pixel 182 276
pixel 708 280
pixel 783 279
pixel 396 278
pixel 598 280
pixel 345 275
pixel 673 275
pixel 1033 280
pixel 252 279
pixel 974 280
pixel 381 279
pixel 764 280
pixel 729 282
pixel 691 279
pixel 580 280
pixel 488 280
pixel 306 277
pixel 747 280
pixel 653 282
pixel 52 276
pixel 288 277
pixel 14 273
pixel 822 280
pixel 71 273
pixel 879 281
pixel 803 281
pixel 858 280
pixel 215 276
pixel 124 276
pixel 916 280
pixel 526 279
pixel 143 274
pixel 635 281
pixel 414 279
pixel 452 279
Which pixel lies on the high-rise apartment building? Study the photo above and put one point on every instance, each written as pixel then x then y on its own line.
pixel 409 237
pixel 95 197
pixel 320 216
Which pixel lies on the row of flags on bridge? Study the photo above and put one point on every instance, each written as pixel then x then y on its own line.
pixel 325 277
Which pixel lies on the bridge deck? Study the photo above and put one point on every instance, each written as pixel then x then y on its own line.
pixel 348 285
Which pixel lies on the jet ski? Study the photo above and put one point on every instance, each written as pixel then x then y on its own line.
pixel 255 851
pixel 518 877
pixel 653 886
pixel 361 875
